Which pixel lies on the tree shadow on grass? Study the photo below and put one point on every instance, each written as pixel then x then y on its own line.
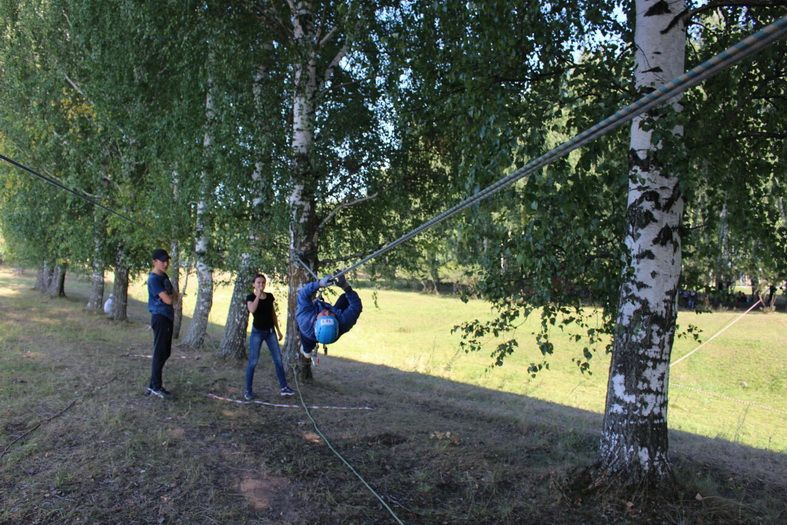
pixel 438 450
pixel 416 389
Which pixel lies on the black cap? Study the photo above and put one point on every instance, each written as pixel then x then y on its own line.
pixel 160 254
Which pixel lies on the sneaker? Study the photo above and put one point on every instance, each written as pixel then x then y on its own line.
pixel 286 392
pixel 156 392
pixel 166 392
pixel 248 396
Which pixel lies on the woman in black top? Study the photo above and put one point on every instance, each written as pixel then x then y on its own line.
pixel 261 306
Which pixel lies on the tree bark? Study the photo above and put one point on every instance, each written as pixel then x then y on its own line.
pixel 120 287
pixel 233 342
pixel 95 300
pixel 41 278
pixel 303 218
pixel 57 283
pixel 174 277
pixel 723 269
pixel 634 442
pixel 195 337
pixel 45 276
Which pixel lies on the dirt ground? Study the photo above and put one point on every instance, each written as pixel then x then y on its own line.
pixel 80 443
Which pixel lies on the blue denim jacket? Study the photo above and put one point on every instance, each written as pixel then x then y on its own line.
pixel 347 310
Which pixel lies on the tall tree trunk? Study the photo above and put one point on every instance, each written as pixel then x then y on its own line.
pixel 195 337
pixel 303 218
pixel 57 283
pixel 634 442
pixel 175 264
pixel 120 287
pixel 174 277
pixel 46 274
pixel 723 265
pixel 95 300
pixel 41 278
pixel 233 342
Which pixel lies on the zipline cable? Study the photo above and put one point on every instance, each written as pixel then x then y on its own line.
pixel 714 336
pixel 56 183
pixel 732 55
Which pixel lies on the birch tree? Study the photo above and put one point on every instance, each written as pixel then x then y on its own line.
pixel 259 246
pixel 634 440
pixel 198 328
pixel 335 144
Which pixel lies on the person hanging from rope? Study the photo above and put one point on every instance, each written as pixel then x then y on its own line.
pixel 319 322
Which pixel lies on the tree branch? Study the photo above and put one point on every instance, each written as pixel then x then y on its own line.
pixel 327 37
pixel 76 87
pixel 339 56
pixel 341 206
pixel 687 14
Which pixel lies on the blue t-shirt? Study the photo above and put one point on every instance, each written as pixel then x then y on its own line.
pixel 156 285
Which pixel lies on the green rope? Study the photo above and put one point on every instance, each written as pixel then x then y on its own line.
pixel 330 446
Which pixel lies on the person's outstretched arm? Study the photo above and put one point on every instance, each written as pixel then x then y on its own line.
pixel 353 311
pixel 305 294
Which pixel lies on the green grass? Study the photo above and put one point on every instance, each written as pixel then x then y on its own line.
pixel 119 457
pixel 733 388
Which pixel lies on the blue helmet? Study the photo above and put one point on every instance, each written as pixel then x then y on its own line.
pixel 326 328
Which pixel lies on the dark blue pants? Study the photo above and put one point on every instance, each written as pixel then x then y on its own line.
pixel 162 347
pixel 255 343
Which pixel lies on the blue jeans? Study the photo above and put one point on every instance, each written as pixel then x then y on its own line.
pixel 255 343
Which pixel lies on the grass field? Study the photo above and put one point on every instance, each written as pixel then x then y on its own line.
pixel 447 441
pixel 733 388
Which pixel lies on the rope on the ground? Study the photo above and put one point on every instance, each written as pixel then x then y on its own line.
pixel 151 357
pixel 283 405
pixel 746 47
pixel 716 334
pixel 47 420
pixel 327 442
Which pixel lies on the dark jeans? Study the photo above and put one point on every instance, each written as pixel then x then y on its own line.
pixel 162 347
pixel 255 343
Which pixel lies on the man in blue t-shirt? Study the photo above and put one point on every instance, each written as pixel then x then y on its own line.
pixel 161 297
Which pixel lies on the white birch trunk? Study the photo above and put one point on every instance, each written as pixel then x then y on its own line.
pixel 47 274
pixel 199 320
pixel 303 219
pixel 723 273
pixel 233 342
pixel 41 278
pixel 634 442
